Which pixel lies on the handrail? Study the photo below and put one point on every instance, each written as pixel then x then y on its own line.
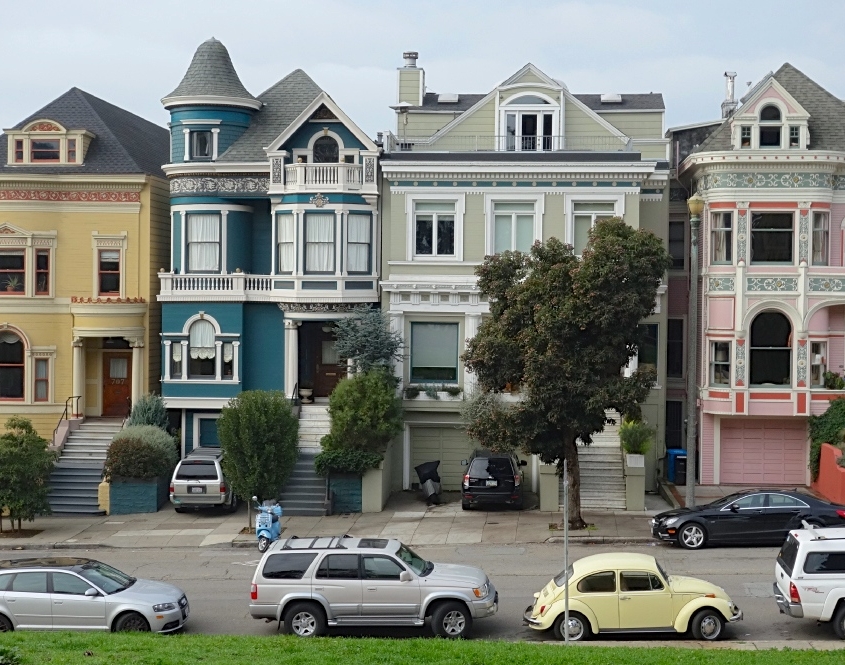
pixel 64 416
pixel 294 398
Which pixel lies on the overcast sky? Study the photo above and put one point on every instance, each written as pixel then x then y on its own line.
pixel 133 53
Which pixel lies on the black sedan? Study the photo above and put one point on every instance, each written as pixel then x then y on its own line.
pixel 750 517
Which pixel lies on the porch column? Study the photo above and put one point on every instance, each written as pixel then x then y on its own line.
pixel 291 356
pixel 473 322
pixel 78 406
pixel 166 361
pixel 137 345
pixel 185 358
pixel 236 350
pixel 218 360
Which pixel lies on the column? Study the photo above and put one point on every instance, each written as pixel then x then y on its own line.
pixel 187 134
pixel 215 134
pixel 78 405
pixel 184 365
pixel 473 322
pixel 224 240
pixel 166 359
pixel 406 458
pixel 236 352
pixel 137 345
pixel 291 356
pixel 218 360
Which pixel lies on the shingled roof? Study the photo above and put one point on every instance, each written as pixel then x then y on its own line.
pixel 649 101
pixel 282 104
pixel 211 73
pixel 123 142
pixel 827 113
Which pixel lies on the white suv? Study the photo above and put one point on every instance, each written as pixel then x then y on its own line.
pixel 810 576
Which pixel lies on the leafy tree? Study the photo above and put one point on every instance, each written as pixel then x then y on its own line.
pixel 149 410
pixel 258 434
pixel 25 467
pixel 562 328
pixel 367 340
pixel 829 427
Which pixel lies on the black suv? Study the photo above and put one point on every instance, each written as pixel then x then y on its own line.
pixel 492 478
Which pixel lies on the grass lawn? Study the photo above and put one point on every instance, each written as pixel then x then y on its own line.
pixel 110 649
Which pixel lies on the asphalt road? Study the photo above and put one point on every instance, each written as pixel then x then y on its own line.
pixel 217 584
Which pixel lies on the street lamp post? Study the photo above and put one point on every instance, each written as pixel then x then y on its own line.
pixel 696 206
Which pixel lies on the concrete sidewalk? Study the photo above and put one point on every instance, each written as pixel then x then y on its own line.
pixel 406 517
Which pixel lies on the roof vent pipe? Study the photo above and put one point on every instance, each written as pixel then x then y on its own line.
pixel 410 58
pixel 729 105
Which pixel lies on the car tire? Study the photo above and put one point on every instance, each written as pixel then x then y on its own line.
pixel 305 620
pixel 178 509
pixel 579 627
pixel 131 622
pixel 233 505
pixel 451 620
pixel 838 621
pixel 692 536
pixel 5 624
pixel 518 505
pixel 465 505
pixel 263 544
pixel 708 625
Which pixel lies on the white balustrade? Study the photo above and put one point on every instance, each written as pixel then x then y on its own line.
pixel 322 177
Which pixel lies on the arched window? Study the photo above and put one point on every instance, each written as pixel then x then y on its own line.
pixel 770 113
pixel 771 350
pixel 11 366
pixel 326 151
pixel 201 349
pixel 770 127
pixel 528 99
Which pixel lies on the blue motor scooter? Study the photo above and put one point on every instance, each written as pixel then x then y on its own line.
pixel 267 524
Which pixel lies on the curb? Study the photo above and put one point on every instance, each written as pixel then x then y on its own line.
pixel 601 540
pixel 57 546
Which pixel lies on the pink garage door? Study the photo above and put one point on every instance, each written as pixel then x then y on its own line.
pixel 763 452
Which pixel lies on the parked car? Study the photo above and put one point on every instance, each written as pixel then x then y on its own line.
pixel 492 478
pixel 198 482
pixel 750 517
pixel 613 593
pixel 66 593
pixel 810 576
pixel 312 583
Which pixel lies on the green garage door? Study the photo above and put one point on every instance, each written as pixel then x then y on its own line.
pixel 448 444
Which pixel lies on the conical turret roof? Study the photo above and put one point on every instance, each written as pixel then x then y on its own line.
pixel 211 75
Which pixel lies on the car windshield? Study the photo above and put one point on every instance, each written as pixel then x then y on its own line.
pixel 105 577
pixel 725 500
pixel 563 576
pixel 419 565
pixel 663 573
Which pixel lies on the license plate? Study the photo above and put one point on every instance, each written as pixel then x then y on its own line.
pixel 197 490
pixel 492 483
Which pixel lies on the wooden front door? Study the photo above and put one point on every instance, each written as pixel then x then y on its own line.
pixel 117 384
pixel 329 372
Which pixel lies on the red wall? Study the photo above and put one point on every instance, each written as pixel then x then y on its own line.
pixel 831 481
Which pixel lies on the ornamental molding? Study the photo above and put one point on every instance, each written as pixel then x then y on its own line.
pixel 791 179
pixel 44 127
pixel 802 363
pixel 804 234
pixel 318 307
pixel 739 372
pixel 722 284
pixel 742 233
pixel 213 184
pixel 318 200
pixel 827 284
pixel 80 196
pixel 771 284
pixel 82 300
pixel 473 171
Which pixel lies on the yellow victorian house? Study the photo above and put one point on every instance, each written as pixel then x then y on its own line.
pixel 84 228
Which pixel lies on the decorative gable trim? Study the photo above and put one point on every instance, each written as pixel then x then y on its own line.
pixel 745 112
pixel 530 68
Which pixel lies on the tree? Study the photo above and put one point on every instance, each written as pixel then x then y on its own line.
pixel 562 328
pixel 149 410
pixel 25 467
pixel 258 434
pixel 366 339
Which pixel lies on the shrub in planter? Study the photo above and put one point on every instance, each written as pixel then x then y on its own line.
pixel 826 428
pixel 136 458
pixel 412 392
pixel 452 391
pixel 636 436
pixel 149 410
pixel 156 437
pixel 346 460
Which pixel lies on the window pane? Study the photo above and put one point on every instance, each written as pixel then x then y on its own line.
pixel 820 239
pixel 289 566
pixel 502 233
pixel 770 137
pixel 11 382
pixel 359 228
pixel 110 261
pixel 513 207
pixel 770 113
pixel 582 232
pixel 434 351
pixel 41 150
pixel 201 144
pixel 676 244
pixel 381 568
pixel 12 260
pixel 598 583
pixel 771 237
pixel 434 206
pixel 340 567
pixel 118 368
pixel 647 352
pixel 607 207
pixel 109 283
pixel 634 582
pixel 424 232
pixel 675 348
pixel 11 349
pixel 445 235
pixel 29 583
pixel 203 228
pixel 319 242
pixel 825 562
pixel 285 230
pixel 358 257
pixel 524 232
pixel 69 584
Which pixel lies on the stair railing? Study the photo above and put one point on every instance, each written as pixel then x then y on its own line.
pixel 66 413
pixel 294 398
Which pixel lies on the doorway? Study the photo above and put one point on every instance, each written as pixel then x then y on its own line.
pixel 117 384
pixel 319 366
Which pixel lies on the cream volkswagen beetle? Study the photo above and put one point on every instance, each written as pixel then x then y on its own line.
pixel 614 593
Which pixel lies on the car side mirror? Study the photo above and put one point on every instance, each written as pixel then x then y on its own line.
pixel 523 463
pixel 91 592
pixel 405 576
pixel 464 462
pixel 733 508
pixel 255 498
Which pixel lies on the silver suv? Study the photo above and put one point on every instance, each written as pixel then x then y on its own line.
pixel 312 583
pixel 198 482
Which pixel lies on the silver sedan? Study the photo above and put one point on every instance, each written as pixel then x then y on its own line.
pixel 64 593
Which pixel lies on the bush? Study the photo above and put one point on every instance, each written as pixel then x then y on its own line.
pixel 25 467
pixel 346 460
pixel 149 410
pixel 826 428
pixel 141 451
pixel 636 436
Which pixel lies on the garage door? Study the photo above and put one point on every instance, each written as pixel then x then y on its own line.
pixel 763 452
pixel 448 444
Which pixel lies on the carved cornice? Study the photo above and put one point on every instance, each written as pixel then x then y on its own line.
pixel 62 195
pixel 79 300
pixel 317 307
pixel 214 184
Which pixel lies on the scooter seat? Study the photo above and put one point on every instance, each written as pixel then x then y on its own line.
pixel 275 518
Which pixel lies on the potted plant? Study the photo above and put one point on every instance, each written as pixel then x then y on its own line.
pixel 139 463
pixel 636 437
pixel 13 283
pixel 412 392
pixel 452 391
pixel 305 392
pixel 833 381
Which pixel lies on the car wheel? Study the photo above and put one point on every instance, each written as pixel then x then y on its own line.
pixel 707 625
pixel 465 505
pixel 263 544
pixel 305 620
pixel 692 536
pixel 178 509
pixel 838 621
pixel 579 627
pixel 451 620
pixel 233 504
pixel 5 625
pixel 131 622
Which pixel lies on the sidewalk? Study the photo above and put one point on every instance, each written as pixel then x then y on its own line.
pixel 406 517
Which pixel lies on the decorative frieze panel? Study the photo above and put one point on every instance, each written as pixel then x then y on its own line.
pixel 742 235
pixel 739 372
pixel 755 180
pixel 721 284
pixel 369 169
pixel 76 196
pixel 771 284
pixel 220 185
pixel 804 236
pixel 802 363
pixel 318 307
pixel 827 285
pixel 276 170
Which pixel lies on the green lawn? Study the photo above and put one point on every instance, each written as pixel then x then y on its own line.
pixel 109 649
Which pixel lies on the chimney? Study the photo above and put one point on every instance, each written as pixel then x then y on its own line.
pixel 411 81
pixel 410 58
pixel 729 105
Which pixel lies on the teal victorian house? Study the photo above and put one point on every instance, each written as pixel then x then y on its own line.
pixel 275 233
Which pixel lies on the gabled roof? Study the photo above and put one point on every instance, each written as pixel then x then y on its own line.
pixel 630 102
pixel 210 74
pixel 282 104
pixel 431 103
pixel 529 68
pixel 123 142
pixel 827 113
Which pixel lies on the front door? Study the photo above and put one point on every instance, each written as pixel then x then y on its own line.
pixel 319 366
pixel 117 384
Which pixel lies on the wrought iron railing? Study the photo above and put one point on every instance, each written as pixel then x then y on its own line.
pixel 68 411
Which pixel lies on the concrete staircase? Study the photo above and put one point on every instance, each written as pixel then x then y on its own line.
pixel 305 491
pixel 602 473
pixel 79 470
pixel 314 424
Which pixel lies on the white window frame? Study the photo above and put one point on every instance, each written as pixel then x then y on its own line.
pixel 220 338
pixel 202 125
pixel 712 363
pixel 196 426
pixel 617 199
pixel 822 364
pixel 769 124
pixel 410 229
pixel 507 107
pixel 102 241
pixel 221 249
pixel 820 215
pixel 370 258
pixel 719 214
pixel 539 201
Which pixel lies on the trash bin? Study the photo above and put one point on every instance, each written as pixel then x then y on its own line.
pixel 681 469
pixel 672 455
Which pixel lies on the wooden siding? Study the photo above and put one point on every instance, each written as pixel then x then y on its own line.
pixel 579 123
pixel 159 257
pixel 637 125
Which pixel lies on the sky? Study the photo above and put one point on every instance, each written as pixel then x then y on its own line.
pixel 133 53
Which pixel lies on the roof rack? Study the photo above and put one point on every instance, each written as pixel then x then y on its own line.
pixel 815 534
pixel 334 543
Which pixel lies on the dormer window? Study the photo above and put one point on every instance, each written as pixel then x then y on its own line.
pixel 201 144
pixel 42 150
pixel 19 151
pixel 794 136
pixel 71 150
pixel 745 136
pixel 770 127
pixel 46 142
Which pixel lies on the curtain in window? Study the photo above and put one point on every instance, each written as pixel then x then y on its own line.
pixel 719 246
pixel 434 351
pixel 176 351
pixel 204 243
pixel 286 237
pixel 319 243
pixel 820 240
pixel 9 338
pixel 41 384
pixel 202 340
pixel 118 368
pixel 228 352
pixel 358 245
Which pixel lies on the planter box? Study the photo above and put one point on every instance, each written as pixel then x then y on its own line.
pixel 346 493
pixel 549 488
pixel 373 495
pixel 634 482
pixel 137 495
pixel 831 481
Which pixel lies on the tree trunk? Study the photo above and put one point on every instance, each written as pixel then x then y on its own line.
pixel 574 473
pixel 19 525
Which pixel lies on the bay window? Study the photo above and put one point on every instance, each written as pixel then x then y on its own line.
pixel 434 228
pixel 720 363
pixel 286 238
pixel 203 243
pixel 434 352
pixel 771 237
pixel 513 226
pixel 821 238
pixel 358 243
pixel 319 242
pixel 12 271
pixel 721 237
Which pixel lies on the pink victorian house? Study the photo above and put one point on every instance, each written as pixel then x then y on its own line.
pixel 772 304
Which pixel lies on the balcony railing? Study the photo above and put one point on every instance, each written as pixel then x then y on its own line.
pixel 509 143
pixel 324 177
